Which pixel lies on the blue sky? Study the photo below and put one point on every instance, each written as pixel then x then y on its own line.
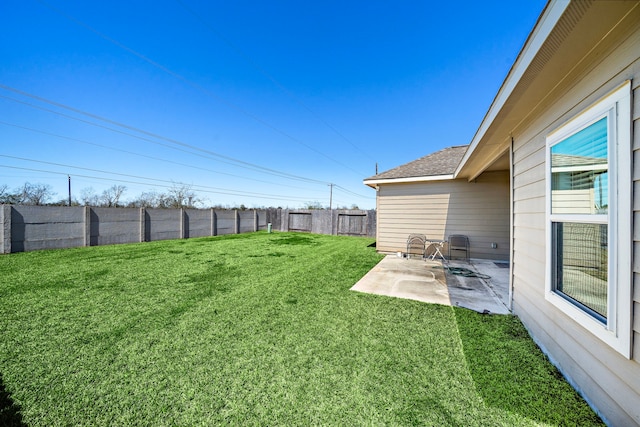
pixel 245 99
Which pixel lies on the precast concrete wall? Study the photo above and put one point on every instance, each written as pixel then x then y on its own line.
pixel 226 222
pixel 261 219
pixel 29 228
pixel 163 224
pixel 246 221
pixel 47 227
pixel 197 223
pixel 111 226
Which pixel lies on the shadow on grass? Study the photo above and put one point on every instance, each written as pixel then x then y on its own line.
pixel 9 411
pixel 511 373
pixel 296 239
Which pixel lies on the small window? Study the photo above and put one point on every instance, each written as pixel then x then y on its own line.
pixel 589 217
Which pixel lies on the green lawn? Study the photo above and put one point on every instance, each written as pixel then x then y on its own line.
pixel 254 329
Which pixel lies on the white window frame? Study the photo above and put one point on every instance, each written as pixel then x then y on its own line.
pixel 618 328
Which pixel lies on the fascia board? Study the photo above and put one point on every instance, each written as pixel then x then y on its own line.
pixel 374 182
pixel 545 25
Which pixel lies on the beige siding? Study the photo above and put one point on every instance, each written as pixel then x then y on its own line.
pixel 438 209
pixel 608 380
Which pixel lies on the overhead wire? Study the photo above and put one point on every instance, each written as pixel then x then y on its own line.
pixel 280 86
pixel 217 156
pixel 145 155
pixel 148 184
pixel 344 190
pixel 194 85
pixel 203 188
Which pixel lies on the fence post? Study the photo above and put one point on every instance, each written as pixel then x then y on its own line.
pixel 285 220
pixel 87 226
pixel 5 220
pixel 237 221
pixel 213 222
pixel 255 220
pixel 143 224
pixel 182 219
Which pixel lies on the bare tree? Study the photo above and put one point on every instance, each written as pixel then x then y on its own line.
pixel 8 197
pixel 314 205
pixel 181 196
pixel 111 196
pixel 149 199
pixel 35 194
pixel 88 197
pixel 5 196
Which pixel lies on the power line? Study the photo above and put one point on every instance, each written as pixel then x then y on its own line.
pixel 247 193
pixel 260 196
pixel 251 62
pixel 217 156
pixel 344 190
pixel 196 86
pixel 143 155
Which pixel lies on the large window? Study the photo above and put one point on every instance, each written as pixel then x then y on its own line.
pixel 588 219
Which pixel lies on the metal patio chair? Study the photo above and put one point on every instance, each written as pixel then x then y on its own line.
pixel 459 243
pixel 416 244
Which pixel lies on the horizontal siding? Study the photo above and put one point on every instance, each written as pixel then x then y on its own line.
pixel 438 209
pixel 608 380
pixel 636 231
pixel 636 216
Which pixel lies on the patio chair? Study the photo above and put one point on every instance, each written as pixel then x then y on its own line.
pixel 459 243
pixel 416 244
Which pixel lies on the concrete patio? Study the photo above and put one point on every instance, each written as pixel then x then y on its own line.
pixel 428 281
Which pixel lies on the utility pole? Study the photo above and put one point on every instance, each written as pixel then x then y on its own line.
pixel 69 177
pixel 330 196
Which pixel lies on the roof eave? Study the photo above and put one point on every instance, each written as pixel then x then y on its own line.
pixel 545 25
pixel 375 182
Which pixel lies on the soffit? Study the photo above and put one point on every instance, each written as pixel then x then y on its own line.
pixel 576 43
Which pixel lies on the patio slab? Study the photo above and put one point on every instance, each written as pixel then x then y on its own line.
pixel 428 281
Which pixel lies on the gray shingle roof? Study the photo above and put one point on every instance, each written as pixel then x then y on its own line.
pixel 443 162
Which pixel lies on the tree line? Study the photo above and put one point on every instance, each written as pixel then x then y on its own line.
pixel 177 196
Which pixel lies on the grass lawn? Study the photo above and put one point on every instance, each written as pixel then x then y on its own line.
pixel 254 329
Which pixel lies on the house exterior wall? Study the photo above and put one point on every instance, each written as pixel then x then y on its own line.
pixel 437 209
pixel 608 380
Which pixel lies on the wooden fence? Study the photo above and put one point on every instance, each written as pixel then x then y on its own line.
pixel 29 228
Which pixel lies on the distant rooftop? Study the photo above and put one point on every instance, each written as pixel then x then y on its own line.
pixel 443 162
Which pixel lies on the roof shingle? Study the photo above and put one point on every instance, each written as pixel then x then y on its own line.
pixel 443 162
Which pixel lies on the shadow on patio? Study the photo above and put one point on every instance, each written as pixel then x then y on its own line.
pixel 429 281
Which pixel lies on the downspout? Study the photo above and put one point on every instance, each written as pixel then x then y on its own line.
pixel 511 223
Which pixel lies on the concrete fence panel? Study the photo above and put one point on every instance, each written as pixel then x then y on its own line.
pixel 272 216
pixel 46 227
pixel 113 226
pixel 28 228
pixel 197 223
pixel 163 224
pixel 226 222
pixel 261 219
pixel 246 221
